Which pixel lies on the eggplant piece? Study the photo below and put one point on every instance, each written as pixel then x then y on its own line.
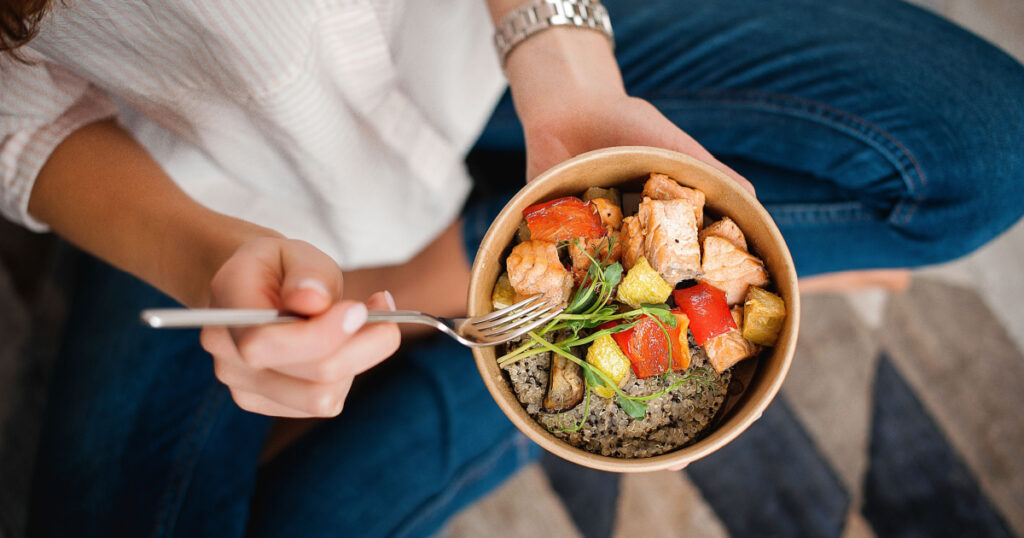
pixel 523 232
pixel 565 388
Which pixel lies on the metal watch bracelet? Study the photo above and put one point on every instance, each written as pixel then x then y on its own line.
pixel 538 15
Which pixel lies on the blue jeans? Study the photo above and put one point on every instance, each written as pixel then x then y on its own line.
pixel 877 135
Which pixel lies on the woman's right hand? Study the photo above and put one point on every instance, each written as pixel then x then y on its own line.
pixel 297 369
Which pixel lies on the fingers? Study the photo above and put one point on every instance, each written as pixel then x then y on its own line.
pixel 367 348
pixel 255 403
pixel 270 392
pixel 272 346
pixel 312 281
pixel 309 378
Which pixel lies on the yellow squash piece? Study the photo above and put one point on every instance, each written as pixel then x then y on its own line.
pixel 763 314
pixel 605 355
pixel 503 294
pixel 642 284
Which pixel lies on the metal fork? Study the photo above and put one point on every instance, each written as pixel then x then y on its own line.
pixel 491 329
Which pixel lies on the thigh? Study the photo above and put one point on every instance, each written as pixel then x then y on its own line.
pixel 872 129
pixel 139 438
pixel 416 441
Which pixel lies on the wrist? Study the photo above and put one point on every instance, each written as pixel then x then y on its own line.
pixel 210 239
pixel 559 66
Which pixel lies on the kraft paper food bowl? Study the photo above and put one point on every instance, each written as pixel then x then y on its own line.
pixel 755 382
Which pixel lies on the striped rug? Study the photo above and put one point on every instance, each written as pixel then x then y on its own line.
pixel 908 428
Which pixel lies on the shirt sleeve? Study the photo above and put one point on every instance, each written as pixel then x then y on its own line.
pixel 41 103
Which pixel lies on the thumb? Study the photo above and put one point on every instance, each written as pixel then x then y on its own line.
pixel 312 280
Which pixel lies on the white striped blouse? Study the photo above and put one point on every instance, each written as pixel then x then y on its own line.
pixel 341 122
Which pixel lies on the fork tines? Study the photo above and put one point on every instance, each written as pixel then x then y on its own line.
pixel 519 318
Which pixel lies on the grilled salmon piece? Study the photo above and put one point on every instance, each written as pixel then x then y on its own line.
pixel 632 240
pixel 730 347
pixel 534 267
pixel 598 250
pixel 670 238
pixel 726 229
pixel 610 213
pixel 728 268
pixel 662 187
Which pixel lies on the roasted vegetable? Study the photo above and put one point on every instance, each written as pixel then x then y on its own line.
pixel 606 355
pixel 565 388
pixel 763 314
pixel 647 349
pixel 612 195
pixel 523 232
pixel 730 347
pixel 563 219
pixel 680 341
pixel 642 284
pixel 708 312
pixel 503 294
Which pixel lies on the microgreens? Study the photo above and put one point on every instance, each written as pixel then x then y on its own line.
pixel 592 305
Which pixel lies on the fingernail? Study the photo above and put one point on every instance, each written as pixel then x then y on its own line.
pixel 354 318
pixel 313 285
pixel 389 299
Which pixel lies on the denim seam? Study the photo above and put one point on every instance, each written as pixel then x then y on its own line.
pixel 879 139
pixel 184 464
pixel 469 473
pixel 821 213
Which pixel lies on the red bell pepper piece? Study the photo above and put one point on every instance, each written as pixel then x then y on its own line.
pixel 680 342
pixel 708 312
pixel 562 219
pixel 646 347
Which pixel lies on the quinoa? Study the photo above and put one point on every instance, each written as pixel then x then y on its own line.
pixel 675 419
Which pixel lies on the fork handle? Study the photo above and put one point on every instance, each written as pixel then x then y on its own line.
pixel 186 318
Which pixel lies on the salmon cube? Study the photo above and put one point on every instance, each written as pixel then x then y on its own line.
pixel 670 238
pixel 730 269
pixel 730 347
pixel 534 267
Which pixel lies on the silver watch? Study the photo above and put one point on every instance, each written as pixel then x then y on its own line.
pixel 537 15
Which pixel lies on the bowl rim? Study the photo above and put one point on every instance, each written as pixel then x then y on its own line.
pixel 715 440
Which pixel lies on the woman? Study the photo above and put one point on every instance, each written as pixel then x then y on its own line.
pixel 871 130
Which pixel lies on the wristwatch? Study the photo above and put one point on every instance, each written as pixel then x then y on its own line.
pixel 538 15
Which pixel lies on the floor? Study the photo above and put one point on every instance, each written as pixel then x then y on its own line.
pixel 923 380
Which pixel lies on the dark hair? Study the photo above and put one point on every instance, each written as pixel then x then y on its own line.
pixel 19 23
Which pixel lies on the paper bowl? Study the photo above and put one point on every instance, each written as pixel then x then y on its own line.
pixel 626 168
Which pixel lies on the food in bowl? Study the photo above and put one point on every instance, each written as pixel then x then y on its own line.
pixel 659 307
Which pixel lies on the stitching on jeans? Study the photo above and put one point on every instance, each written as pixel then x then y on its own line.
pixel 184 464
pixel 894 151
pixel 821 213
pixel 471 472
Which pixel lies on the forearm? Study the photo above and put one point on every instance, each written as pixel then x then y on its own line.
pixel 103 192
pixel 551 66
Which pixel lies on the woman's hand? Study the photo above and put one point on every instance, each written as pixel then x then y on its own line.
pixel 570 98
pixel 297 369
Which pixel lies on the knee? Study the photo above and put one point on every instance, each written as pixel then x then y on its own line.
pixel 971 164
